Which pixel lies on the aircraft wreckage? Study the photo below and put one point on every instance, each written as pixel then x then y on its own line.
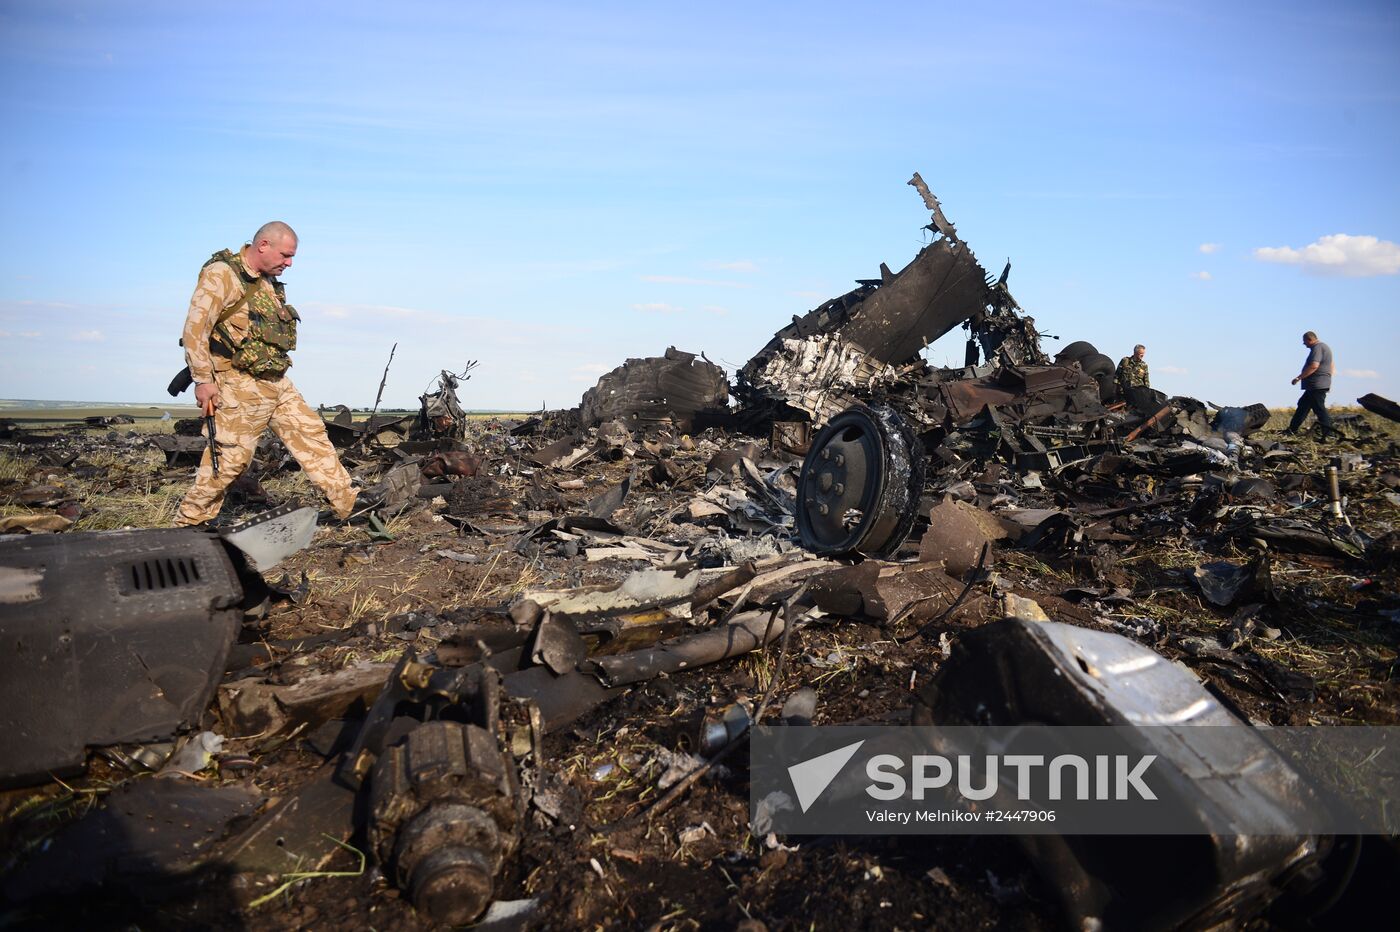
pixel 121 639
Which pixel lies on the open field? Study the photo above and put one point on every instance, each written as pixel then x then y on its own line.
pixel 601 863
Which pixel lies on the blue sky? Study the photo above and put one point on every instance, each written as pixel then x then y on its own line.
pixel 551 189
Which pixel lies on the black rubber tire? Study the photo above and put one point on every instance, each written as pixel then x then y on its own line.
pixel 860 484
pixel 1101 369
pixel 1074 352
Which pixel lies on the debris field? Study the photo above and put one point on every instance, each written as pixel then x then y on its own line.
pixel 516 689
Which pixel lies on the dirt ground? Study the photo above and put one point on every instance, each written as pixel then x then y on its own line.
pixel 602 863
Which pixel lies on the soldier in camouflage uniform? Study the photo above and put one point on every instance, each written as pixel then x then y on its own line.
pixel 237 335
pixel 1132 371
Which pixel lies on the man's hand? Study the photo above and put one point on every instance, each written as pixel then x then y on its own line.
pixel 206 395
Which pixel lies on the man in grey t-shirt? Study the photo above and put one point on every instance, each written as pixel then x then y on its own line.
pixel 1317 379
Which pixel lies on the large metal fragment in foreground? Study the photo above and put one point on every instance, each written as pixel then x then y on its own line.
pixel 121 636
pixel 1022 672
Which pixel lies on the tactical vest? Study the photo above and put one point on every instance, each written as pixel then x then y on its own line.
pixel 272 325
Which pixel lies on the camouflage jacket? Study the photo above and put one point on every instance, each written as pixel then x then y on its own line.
pixel 1132 373
pixel 225 331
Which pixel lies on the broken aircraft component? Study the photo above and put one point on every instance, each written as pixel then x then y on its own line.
pixel 121 636
pixel 860 484
pixel 444 809
pixel 673 387
pixel 869 339
pixel 440 414
pixel 859 353
pixel 1015 672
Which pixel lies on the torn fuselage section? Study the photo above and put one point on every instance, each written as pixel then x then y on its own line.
pixel 865 344
pixel 672 388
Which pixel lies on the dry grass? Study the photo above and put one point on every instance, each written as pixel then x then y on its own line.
pixel 11 469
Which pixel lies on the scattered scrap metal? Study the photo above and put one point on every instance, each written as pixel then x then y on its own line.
pixel 875 499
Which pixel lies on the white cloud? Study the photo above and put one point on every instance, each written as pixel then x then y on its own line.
pixel 87 336
pixel 28 334
pixel 1362 373
pixel 1339 254
pixel 741 265
pixel 657 307
pixel 1201 276
pixel 682 280
pixel 1208 248
pixel 716 310
pixel 1172 370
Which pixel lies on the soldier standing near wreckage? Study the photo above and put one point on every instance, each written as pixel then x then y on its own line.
pixel 237 335
pixel 1317 380
pixel 1132 371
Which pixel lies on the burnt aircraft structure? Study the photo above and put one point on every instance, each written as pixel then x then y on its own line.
pixel 853 368
pixel 671 388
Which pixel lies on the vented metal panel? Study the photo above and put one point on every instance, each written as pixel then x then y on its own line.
pixel 160 574
pixel 110 637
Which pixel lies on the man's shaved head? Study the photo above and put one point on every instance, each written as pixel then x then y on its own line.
pixel 272 249
pixel 272 231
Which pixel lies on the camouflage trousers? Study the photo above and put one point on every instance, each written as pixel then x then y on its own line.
pixel 247 407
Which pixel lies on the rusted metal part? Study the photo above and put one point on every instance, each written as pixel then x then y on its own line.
pixel 792 437
pixel 471 693
pixel 886 593
pixel 444 815
pixel 744 633
pixel 1148 424
pixel 956 535
pixel 450 463
pixel 672 387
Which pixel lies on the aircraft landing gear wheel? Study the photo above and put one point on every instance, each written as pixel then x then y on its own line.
pixel 860 485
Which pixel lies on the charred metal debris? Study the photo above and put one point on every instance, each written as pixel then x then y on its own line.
pixel 895 541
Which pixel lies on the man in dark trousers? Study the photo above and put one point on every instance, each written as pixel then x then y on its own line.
pixel 1317 379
